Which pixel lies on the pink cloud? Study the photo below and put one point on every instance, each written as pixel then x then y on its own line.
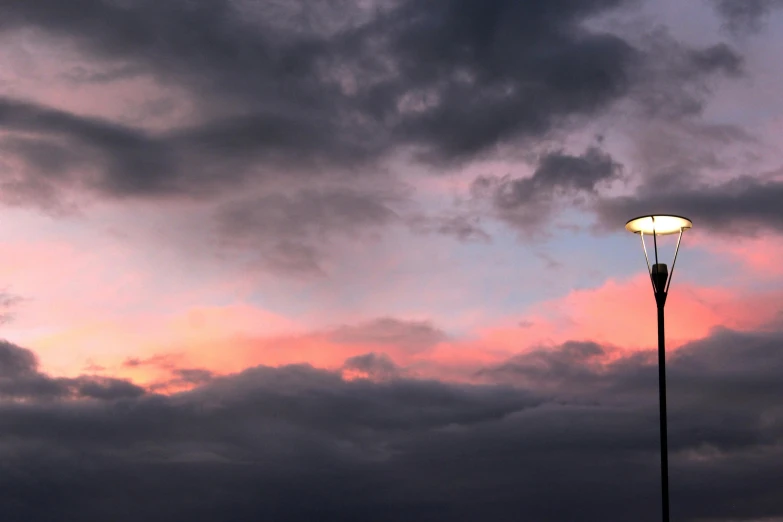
pixel 759 256
pixel 202 336
pixel 622 313
pixel 230 338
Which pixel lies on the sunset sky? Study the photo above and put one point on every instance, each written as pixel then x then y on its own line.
pixel 366 259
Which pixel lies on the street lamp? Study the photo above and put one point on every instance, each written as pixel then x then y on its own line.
pixel 661 278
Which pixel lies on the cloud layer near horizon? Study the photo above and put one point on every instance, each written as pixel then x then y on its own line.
pixel 552 434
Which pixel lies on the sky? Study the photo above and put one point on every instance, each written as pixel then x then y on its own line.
pixel 365 260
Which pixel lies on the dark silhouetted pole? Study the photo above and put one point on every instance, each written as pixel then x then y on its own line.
pixel 662 402
pixel 660 276
pixel 656 225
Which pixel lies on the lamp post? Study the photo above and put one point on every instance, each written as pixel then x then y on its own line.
pixel 660 225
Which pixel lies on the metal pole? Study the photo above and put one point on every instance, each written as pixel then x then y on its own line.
pixel 662 402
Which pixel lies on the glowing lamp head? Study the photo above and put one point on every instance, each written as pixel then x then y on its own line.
pixel 659 225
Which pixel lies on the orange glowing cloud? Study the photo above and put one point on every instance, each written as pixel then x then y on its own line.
pixel 232 338
pixel 403 342
pixel 199 336
pixel 623 314
pixel 620 314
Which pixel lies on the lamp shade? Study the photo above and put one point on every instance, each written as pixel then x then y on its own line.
pixel 659 225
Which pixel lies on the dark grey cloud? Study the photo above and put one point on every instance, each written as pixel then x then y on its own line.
pixel 289 228
pixel 8 301
pixel 182 378
pixel 681 156
pixel 16 361
pixel 556 434
pixel 716 58
pixel 677 84
pixel 675 155
pixel 377 366
pixel 745 205
pixel 293 104
pixel 567 367
pixel 20 379
pixel 292 231
pixel 476 74
pixel 558 178
pixel 451 78
pixel 484 63
pixel 462 225
pixel 718 386
pixel 193 375
pixel 412 336
pixel 61 150
pixel 743 16
pixel 106 388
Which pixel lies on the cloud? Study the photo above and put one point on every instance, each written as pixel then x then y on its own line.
pixel 165 362
pixel 410 336
pixel 464 226
pixel 351 94
pixel 542 368
pixel 194 375
pixel 60 150
pixel 619 314
pixel 182 379
pixel 333 104
pixel 106 388
pixel 451 78
pixel 525 203
pixel 757 255
pixel 172 375
pixel 743 16
pixel 375 366
pixel 15 361
pixel 291 231
pixel 476 74
pixel 21 379
pixel 741 206
pixel 56 152
pixel 548 434
pixel 81 75
pixel 7 301
pixel 723 374
pixel 676 80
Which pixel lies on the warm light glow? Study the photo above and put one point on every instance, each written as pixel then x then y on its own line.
pixel 661 225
